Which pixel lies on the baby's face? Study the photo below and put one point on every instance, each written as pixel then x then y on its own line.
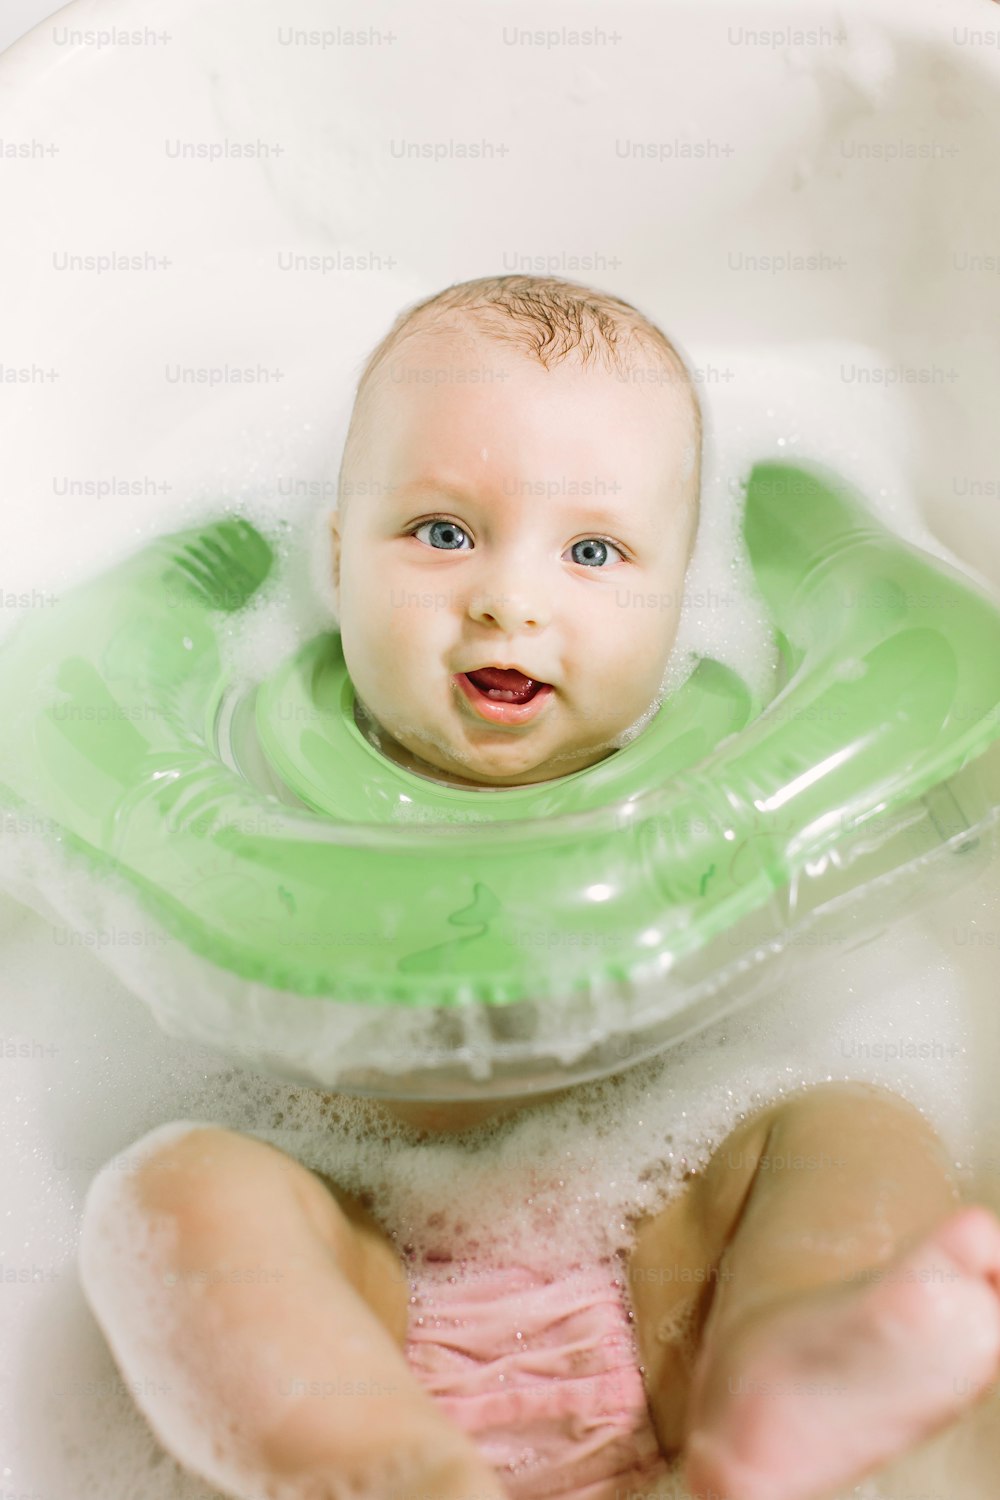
pixel 501 514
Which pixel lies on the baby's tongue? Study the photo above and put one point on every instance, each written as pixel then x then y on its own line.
pixel 503 681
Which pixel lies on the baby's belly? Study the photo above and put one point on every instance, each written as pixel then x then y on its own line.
pixel 540 1369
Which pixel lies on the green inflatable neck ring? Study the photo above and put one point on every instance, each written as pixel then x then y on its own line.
pixel 349 923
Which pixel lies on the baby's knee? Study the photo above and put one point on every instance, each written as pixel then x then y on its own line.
pixel 854 1106
pixel 115 1203
pixel 123 1249
pixel 120 1186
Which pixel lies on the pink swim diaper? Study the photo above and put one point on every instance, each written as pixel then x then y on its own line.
pixel 540 1369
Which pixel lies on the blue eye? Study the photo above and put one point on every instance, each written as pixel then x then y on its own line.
pixel 592 543
pixel 594 550
pixel 449 531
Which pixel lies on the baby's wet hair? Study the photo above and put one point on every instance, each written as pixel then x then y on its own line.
pixel 545 318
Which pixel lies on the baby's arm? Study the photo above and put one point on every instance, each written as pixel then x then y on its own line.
pixel 262 1331
pixel 854 1310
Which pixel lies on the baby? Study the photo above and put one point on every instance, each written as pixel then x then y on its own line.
pixel 524 454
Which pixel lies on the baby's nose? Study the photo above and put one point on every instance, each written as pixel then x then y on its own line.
pixel 512 588
pixel 509 611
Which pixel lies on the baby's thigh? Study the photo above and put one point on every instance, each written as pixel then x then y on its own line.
pixel 221 1190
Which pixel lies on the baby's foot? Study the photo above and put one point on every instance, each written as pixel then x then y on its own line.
pixel 809 1395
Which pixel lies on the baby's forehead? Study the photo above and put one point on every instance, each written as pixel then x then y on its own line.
pixel 461 345
pixel 647 393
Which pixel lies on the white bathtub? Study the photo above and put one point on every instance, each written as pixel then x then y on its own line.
pixel 666 159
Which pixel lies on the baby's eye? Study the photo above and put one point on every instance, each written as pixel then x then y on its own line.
pixel 448 532
pixel 594 550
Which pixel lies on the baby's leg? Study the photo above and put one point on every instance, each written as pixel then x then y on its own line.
pixel 855 1310
pixel 259 1319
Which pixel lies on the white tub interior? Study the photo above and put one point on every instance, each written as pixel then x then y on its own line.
pixel 861 136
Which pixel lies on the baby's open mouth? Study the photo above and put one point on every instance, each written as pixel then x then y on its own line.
pixel 505 685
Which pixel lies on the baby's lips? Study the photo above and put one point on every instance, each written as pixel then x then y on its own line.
pixel 520 705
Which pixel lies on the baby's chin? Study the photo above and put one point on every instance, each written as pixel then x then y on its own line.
pixel 510 765
pixel 510 762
